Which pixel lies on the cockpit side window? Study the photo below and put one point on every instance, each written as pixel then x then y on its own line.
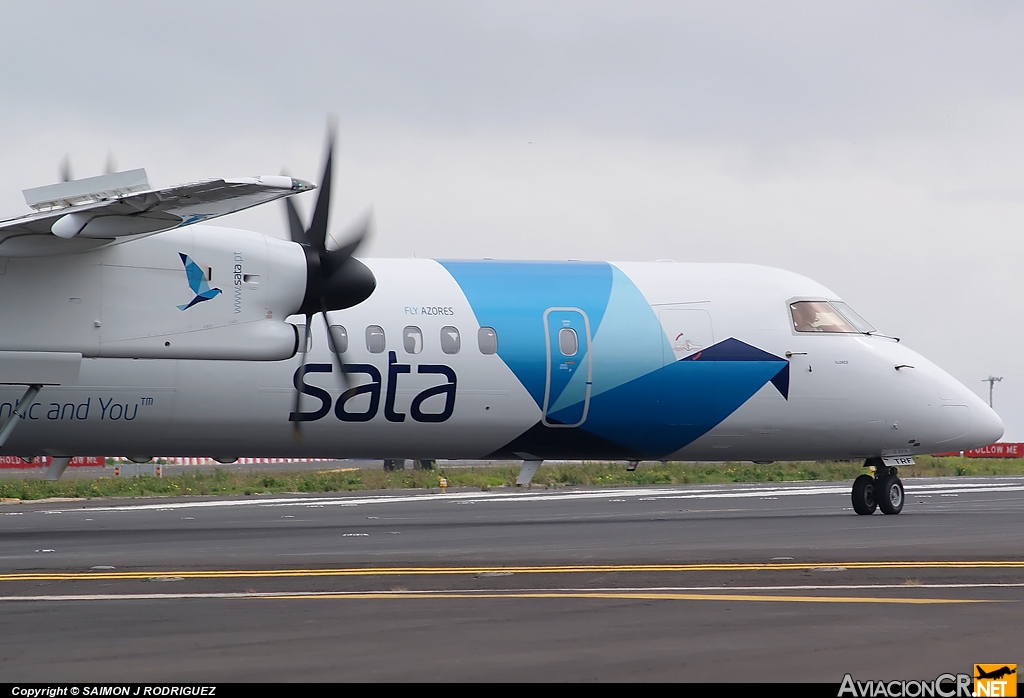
pixel 819 316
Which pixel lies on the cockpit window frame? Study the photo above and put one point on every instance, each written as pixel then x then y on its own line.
pixel 853 331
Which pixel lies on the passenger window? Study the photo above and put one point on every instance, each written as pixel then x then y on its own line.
pixel 488 340
pixel 568 342
pixel 305 338
pixel 375 339
pixel 337 339
pixel 412 338
pixel 450 340
pixel 819 316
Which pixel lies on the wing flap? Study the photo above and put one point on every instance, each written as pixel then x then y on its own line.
pixel 112 206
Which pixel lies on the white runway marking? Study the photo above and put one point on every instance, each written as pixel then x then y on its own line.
pixel 616 495
pixel 449 592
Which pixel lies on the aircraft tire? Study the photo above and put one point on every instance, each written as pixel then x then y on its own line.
pixel 864 500
pixel 889 489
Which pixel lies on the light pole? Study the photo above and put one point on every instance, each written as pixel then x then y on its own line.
pixel 991 380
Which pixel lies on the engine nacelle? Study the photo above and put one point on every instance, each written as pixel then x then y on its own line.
pixel 199 292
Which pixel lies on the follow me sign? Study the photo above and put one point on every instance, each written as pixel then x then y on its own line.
pixel 998 450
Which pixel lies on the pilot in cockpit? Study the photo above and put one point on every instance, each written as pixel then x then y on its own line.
pixel 805 315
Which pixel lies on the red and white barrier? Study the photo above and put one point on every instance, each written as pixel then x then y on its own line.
pixel 997 450
pixel 16 462
pixel 242 461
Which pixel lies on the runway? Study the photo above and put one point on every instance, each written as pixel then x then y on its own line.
pixel 773 582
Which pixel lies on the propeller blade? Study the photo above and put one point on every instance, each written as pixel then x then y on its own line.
pixel 295 228
pixel 357 234
pixel 334 279
pixel 111 166
pixel 316 235
pixel 296 428
pixel 332 342
pixel 65 169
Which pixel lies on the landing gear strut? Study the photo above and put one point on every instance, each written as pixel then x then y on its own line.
pixel 883 491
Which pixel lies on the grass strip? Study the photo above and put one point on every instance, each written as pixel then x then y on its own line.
pixel 242 482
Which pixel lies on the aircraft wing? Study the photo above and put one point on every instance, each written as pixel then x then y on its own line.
pixel 101 209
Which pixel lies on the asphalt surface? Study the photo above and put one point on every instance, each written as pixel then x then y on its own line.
pixel 777 582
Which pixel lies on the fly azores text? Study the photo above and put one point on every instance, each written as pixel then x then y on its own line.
pixel 361 403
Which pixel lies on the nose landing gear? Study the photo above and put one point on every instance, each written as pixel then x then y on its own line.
pixel 864 501
pixel 883 491
pixel 890 492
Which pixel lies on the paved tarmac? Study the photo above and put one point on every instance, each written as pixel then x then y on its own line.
pixel 774 582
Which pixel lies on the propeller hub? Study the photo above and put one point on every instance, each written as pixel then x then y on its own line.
pixel 334 284
pixel 350 284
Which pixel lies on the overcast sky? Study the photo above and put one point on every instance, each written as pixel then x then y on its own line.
pixel 875 147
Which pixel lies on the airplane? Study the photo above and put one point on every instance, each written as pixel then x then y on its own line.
pixel 994 674
pixel 134 326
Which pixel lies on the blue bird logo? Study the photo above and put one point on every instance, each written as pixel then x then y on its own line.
pixel 197 282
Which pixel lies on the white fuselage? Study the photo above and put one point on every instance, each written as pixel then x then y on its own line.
pixel 670 361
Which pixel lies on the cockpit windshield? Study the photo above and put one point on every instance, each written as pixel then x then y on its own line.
pixel 856 320
pixel 823 316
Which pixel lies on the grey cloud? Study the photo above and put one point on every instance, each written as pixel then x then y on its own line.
pixel 668 70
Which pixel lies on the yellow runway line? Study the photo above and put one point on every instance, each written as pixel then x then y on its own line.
pixel 535 569
pixel 466 594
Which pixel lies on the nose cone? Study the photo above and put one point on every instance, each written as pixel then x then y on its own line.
pixel 939 411
pixel 987 427
pixel 976 424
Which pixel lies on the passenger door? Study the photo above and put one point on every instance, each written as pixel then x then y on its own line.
pixel 568 378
